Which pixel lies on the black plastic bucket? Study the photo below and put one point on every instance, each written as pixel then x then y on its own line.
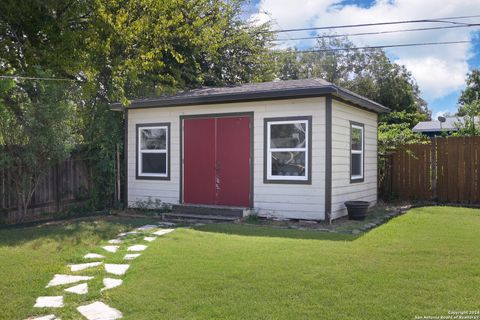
pixel 357 210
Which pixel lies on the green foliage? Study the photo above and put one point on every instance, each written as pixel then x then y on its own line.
pixel 119 50
pixel 471 94
pixel 35 133
pixel 153 206
pixel 391 136
pixel 367 72
pixel 470 125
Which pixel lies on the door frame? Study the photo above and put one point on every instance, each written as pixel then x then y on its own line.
pixel 217 115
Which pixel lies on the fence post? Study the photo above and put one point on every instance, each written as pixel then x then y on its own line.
pixel 433 167
pixel 57 187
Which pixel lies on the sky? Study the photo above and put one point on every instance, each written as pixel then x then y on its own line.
pixel 440 71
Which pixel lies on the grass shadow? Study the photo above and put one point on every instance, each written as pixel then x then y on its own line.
pixel 274 232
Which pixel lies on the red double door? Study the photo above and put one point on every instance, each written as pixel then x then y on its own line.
pixel 216 167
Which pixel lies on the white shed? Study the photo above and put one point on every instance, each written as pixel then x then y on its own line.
pixel 288 149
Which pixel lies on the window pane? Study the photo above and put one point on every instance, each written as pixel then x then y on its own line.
pixel 357 139
pixel 154 139
pixel 154 163
pixel 288 163
pixel 356 164
pixel 290 135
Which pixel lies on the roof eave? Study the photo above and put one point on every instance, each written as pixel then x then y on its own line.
pixel 362 102
pixel 296 93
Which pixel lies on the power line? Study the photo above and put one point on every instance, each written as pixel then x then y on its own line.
pixel 438 20
pixel 373 47
pixel 379 32
pixel 36 78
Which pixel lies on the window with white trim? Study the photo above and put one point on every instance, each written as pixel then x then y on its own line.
pixel 153 151
pixel 356 152
pixel 287 150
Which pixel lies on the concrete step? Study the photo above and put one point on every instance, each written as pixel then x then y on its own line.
pixel 223 211
pixel 200 217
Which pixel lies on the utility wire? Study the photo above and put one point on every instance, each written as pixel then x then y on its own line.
pixel 438 20
pixel 36 78
pixel 378 32
pixel 372 47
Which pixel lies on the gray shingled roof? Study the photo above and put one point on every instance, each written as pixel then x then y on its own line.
pixel 434 125
pixel 256 91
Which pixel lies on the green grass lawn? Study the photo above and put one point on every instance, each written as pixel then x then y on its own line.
pixel 424 263
pixel 29 257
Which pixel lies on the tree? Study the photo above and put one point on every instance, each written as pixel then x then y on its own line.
pixel 471 94
pixel 35 133
pixel 368 72
pixel 470 123
pixel 120 50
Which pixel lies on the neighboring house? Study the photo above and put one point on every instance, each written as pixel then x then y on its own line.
pixel 436 128
pixel 289 149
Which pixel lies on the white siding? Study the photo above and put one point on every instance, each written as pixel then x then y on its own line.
pixel 342 189
pixel 278 200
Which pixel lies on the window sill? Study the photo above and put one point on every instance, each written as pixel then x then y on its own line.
pixel 286 181
pixel 357 180
pixel 151 178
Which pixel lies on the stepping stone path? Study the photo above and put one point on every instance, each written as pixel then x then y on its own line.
pixel 93 256
pixel 49 302
pixel 162 232
pixel 147 227
pixel 131 256
pixel 111 283
pixel 111 249
pixel 61 279
pixel 78 289
pixel 49 317
pixel 137 247
pixel 99 310
pixel 118 269
pixel 83 266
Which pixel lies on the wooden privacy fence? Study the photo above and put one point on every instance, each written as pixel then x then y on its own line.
pixel 446 170
pixel 62 185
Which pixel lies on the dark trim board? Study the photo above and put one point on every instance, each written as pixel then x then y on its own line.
pixel 218 115
pixel 265 152
pixel 125 155
pixel 328 158
pixel 358 180
pixel 161 124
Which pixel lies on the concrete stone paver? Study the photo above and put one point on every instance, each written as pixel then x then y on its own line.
pixel 147 227
pixel 78 289
pixel 93 256
pixel 117 269
pixel 111 249
pixel 99 311
pixel 47 317
pixel 131 256
pixel 83 266
pixel 49 302
pixel 115 241
pixel 161 232
pixel 149 239
pixel 62 279
pixel 111 283
pixel 137 247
